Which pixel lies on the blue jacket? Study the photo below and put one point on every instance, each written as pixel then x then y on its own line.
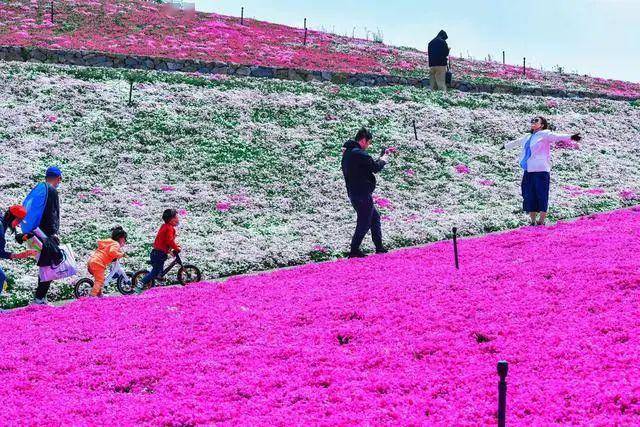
pixel 3 252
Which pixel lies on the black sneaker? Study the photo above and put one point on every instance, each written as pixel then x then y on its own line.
pixel 356 254
pixel 382 250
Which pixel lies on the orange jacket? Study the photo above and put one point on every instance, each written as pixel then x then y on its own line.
pixel 108 251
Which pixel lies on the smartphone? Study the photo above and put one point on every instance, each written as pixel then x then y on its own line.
pixel 383 152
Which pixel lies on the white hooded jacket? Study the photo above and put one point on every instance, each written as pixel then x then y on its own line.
pixel 540 160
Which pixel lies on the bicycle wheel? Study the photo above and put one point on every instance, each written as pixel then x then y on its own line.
pixel 137 276
pixel 82 288
pixel 189 274
pixel 126 287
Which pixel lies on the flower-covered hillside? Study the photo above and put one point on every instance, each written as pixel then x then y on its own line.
pixel 144 28
pixel 398 339
pixel 254 164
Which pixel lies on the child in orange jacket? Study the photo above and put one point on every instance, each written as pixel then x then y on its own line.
pixel 108 251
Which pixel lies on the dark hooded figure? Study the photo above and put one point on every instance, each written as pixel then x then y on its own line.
pixel 358 168
pixel 438 54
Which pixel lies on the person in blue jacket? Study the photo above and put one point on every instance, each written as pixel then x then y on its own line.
pixel 43 221
pixel 10 220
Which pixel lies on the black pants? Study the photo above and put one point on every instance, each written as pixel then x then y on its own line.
pixel 368 219
pixel 42 289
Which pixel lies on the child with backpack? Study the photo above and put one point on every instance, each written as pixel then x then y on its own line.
pixel 164 244
pixel 9 222
pixel 108 251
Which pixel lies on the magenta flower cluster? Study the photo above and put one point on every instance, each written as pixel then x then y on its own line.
pixel 575 191
pixel 462 169
pixel 140 27
pixel 144 28
pixel 397 339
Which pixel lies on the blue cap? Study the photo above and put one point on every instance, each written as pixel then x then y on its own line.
pixel 53 172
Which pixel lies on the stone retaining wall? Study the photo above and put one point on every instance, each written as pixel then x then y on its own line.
pixel 114 60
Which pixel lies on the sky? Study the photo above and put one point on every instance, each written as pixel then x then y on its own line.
pixel 596 37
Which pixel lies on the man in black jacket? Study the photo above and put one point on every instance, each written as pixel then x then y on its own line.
pixel 438 54
pixel 358 168
pixel 49 224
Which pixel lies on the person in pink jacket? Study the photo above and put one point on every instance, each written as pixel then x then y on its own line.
pixel 535 160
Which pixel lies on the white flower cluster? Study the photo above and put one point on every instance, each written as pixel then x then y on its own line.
pixel 255 164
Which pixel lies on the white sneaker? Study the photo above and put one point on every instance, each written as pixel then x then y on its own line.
pixel 40 301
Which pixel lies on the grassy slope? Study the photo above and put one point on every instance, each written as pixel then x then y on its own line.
pixel 272 149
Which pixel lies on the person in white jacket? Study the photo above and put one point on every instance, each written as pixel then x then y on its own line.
pixel 535 160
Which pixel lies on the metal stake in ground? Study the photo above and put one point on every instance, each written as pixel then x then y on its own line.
pixel 52 12
pixel 455 246
pixel 305 31
pixel 503 367
pixel 130 91
pixel 503 59
pixel 524 67
pixel 242 16
pixel 415 130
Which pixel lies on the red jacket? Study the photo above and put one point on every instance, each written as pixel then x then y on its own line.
pixel 166 239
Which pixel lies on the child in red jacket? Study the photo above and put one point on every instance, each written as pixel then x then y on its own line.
pixel 164 245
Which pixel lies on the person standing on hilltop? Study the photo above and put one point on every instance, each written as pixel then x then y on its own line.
pixel 438 54
pixel 535 160
pixel 358 168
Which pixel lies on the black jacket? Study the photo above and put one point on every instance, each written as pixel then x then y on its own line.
pixel 50 222
pixel 358 168
pixel 50 225
pixel 438 50
pixel 4 254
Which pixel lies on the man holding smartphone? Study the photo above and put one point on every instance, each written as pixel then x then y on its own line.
pixel 358 168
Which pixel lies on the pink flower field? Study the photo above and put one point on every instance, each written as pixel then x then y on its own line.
pixel 397 339
pixel 140 27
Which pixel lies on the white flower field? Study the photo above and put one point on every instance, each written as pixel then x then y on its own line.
pixel 254 164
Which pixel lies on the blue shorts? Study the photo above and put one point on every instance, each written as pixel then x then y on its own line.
pixel 535 191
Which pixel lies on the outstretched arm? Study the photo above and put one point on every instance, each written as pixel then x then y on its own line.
pixel 26 254
pixel 553 137
pixel 513 144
